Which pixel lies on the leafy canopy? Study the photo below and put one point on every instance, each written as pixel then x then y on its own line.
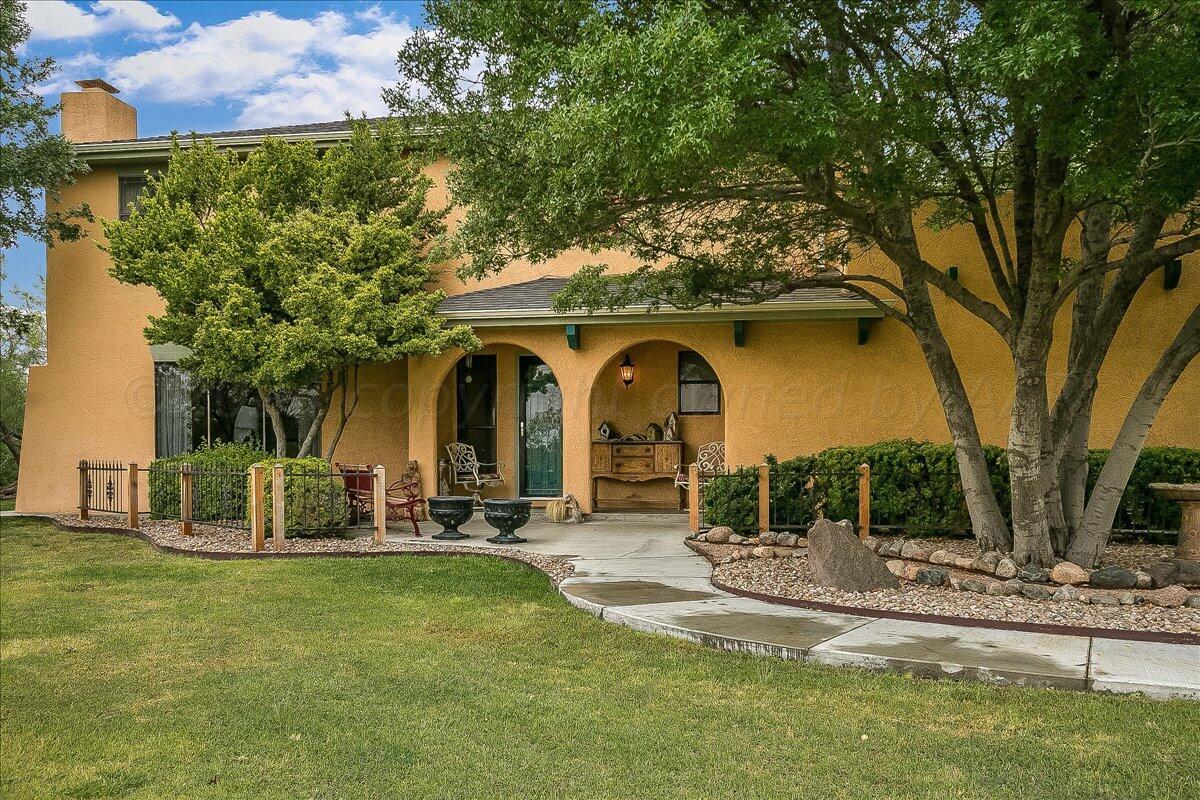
pixel 282 267
pixel 32 160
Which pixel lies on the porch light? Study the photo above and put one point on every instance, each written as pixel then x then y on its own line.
pixel 627 371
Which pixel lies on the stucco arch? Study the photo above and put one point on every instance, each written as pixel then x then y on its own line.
pixel 429 374
pixel 653 395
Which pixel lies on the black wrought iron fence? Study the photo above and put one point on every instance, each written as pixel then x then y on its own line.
pixel 320 500
pixel 103 487
pixel 219 497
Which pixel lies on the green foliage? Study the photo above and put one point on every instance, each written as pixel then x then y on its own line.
pixel 915 486
pixel 314 499
pixel 22 345
pixel 220 458
pixel 284 269
pixel 32 159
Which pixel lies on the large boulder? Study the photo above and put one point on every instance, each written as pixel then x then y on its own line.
pixel 1064 572
pixel 1113 578
pixel 1162 573
pixel 1189 571
pixel 836 558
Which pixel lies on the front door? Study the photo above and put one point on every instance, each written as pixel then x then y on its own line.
pixel 540 429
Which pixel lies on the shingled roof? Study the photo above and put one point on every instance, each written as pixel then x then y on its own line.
pixel 532 302
pixel 337 126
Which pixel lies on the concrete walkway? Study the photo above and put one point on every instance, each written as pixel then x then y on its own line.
pixel 642 576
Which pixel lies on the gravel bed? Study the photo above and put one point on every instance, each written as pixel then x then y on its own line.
pixel 789 577
pixel 209 539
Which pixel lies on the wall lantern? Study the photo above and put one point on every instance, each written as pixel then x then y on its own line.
pixel 627 371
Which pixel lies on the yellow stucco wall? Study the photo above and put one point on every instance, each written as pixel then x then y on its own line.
pixel 795 387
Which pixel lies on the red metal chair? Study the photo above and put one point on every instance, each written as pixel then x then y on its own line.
pixel 403 500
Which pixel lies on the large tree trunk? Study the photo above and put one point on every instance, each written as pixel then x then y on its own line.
pixel 988 523
pixel 325 397
pixel 349 379
pixel 276 417
pixel 1070 491
pixel 12 441
pixel 1027 480
pixel 1101 509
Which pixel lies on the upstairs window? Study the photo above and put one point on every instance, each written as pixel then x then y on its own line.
pixel 699 389
pixel 129 194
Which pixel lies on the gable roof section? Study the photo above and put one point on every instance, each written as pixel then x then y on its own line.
pixel 531 303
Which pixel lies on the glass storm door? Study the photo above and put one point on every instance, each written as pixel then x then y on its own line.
pixel 540 445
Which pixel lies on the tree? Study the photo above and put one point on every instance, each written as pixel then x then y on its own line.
pixel 741 150
pixel 32 160
pixel 289 268
pixel 22 344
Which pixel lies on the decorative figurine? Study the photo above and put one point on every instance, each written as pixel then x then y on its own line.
pixel 671 428
pixel 412 477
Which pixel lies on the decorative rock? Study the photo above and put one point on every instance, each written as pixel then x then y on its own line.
pixel 1030 573
pixel 1143 579
pixel 872 542
pixel 737 538
pixel 787 539
pixel 915 548
pixel 1126 598
pixel 1162 573
pixel 1112 578
pixel 1065 572
pixel 767 537
pixel 763 551
pixel 836 558
pixel 1189 571
pixel 963 562
pixel 783 552
pixel 910 570
pixel 1066 594
pixel 1192 602
pixel 990 559
pixel 1036 591
pixel 942 557
pixel 1006 568
pixel 719 535
pixel 889 549
pixel 895 566
pixel 1170 597
pixel 972 585
pixel 931 576
pixel 1005 588
pixel 799 552
pixel 1104 600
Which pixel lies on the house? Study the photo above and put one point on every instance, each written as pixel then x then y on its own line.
pixel 803 372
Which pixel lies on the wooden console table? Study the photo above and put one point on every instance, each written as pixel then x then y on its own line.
pixel 634 461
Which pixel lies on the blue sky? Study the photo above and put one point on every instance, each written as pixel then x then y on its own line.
pixel 218 65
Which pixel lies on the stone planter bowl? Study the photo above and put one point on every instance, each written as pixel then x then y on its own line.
pixel 450 512
pixel 1188 497
pixel 506 516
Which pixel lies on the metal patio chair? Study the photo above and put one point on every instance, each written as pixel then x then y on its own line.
pixel 470 473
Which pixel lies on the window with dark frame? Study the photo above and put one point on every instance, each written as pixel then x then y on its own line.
pixel 699 389
pixel 129 194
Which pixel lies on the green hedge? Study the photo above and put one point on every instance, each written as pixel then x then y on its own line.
pixel 314 499
pixel 915 485
pixel 219 458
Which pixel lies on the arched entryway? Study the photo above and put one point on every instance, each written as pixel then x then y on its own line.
pixel 506 403
pixel 634 393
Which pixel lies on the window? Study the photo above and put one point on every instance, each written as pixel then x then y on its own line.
pixel 699 389
pixel 129 194
pixel 476 391
pixel 187 415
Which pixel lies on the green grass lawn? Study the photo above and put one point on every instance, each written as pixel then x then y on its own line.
pixel 131 674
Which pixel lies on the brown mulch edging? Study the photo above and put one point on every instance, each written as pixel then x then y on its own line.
pixel 553 567
pixel 715 552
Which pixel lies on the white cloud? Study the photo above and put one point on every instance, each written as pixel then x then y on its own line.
pixel 58 19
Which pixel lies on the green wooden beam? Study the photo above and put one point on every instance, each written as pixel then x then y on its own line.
pixel 739 333
pixel 574 337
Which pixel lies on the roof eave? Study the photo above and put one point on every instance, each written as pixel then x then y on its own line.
pixel 767 312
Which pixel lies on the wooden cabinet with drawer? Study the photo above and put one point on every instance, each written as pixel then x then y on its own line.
pixel 634 461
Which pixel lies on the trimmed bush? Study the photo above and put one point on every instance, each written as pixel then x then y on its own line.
pixel 314 499
pixel 219 458
pixel 915 485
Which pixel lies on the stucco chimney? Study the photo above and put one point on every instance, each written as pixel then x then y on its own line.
pixel 96 115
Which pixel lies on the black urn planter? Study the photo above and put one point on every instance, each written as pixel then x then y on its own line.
pixel 450 512
pixel 506 516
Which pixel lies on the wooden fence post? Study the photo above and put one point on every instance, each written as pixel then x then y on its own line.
pixel 185 499
pixel 379 504
pixel 864 501
pixel 258 514
pixel 133 495
pixel 83 492
pixel 277 508
pixel 764 498
pixel 694 497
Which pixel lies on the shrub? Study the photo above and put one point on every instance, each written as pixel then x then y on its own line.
pixel 219 458
pixel 314 500
pixel 915 485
